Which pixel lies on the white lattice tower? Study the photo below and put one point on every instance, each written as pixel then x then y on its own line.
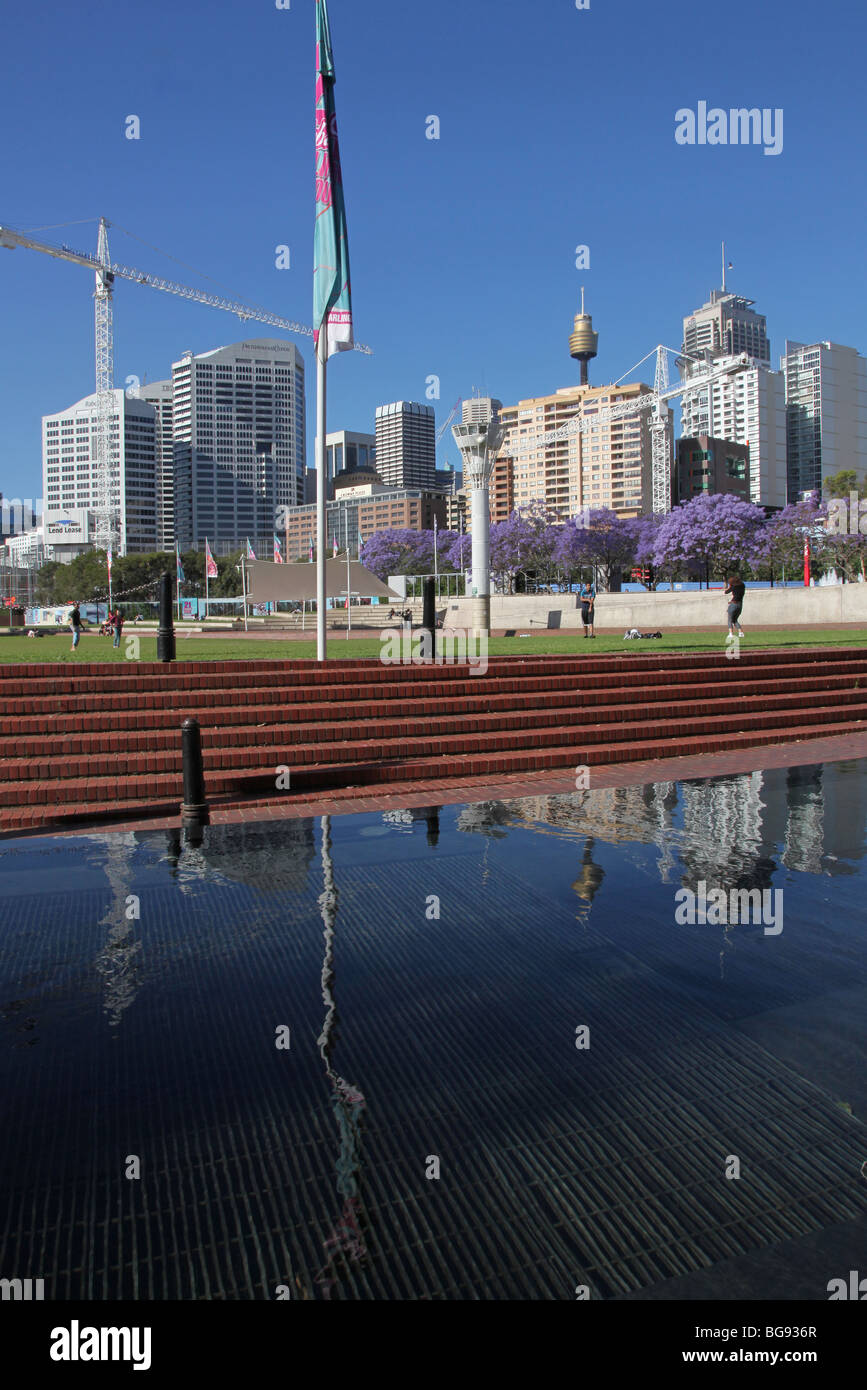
pixel 479 444
pixel 106 513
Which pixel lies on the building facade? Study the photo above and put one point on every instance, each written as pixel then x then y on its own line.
pixel 69 465
pixel 360 511
pixel 238 430
pixel 826 414
pixel 27 550
pixel 726 326
pixel 159 395
pixel 706 465
pixel 745 407
pixel 345 449
pixel 406 445
pixel 609 464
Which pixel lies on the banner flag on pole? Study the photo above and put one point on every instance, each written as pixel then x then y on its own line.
pixel 251 554
pixel 332 306
pixel 108 559
pixel 310 551
pixel 210 563
pixel 334 546
pixel 179 565
pixel 278 553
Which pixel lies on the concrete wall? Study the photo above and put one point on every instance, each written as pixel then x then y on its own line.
pixel 796 607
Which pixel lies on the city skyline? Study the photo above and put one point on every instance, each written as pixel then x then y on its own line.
pixel 476 300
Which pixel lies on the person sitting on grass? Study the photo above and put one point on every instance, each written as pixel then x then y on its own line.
pixel 587 596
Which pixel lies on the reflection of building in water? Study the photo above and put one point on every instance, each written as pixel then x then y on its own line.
pixel 722 833
pixel 641 814
pixel 487 817
pixel 804 838
pixel 117 961
pixel 845 812
pixel 811 818
pixel 271 856
pixel 408 818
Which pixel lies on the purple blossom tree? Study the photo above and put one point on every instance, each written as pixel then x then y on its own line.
pixel 713 534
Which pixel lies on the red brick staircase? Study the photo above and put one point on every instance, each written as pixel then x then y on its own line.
pixel 92 742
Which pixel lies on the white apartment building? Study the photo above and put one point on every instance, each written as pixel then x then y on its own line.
pixel 159 395
pixel 826 413
pixel 747 407
pixel 27 551
pixel 238 429
pixel 609 464
pixel 69 459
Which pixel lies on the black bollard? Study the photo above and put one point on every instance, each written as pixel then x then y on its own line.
pixel 194 809
pixel 429 613
pixel 166 630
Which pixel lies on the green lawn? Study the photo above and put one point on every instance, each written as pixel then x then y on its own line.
pixel 95 648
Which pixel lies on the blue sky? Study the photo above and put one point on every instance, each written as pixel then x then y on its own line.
pixel 557 129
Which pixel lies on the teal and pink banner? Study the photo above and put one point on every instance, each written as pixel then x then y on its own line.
pixel 332 305
pixel 210 563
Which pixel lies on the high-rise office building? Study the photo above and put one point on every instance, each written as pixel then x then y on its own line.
pixel 480 410
pixel 347 450
pixel 406 445
pixel 607 465
pixel 746 407
pixel 69 473
pixel 238 425
pixel 725 326
pixel 826 414
pixel 159 395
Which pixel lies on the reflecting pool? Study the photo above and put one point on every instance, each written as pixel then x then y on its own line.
pixel 454 1053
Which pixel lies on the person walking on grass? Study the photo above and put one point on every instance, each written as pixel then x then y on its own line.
pixel 118 627
pixel 587 595
pixel 737 589
pixel 75 624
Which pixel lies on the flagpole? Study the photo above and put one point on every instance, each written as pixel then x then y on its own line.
pixel 177 573
pixel 206 579
pixel 348 587
pixel 321 350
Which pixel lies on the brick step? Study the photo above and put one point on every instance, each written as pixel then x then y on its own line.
pixel 159 774
pixel 417 684
pixel 44 816
pixel 158 750
pixel 95 678
pixel 277 710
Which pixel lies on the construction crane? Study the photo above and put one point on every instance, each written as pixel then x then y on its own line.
pixel 651 400
pixel 106 513
pixel 441 431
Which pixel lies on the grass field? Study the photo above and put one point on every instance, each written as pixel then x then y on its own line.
pixel 188 648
